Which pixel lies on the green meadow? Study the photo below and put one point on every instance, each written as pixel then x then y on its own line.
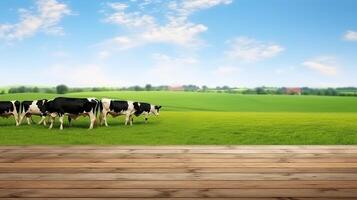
pixel 202 118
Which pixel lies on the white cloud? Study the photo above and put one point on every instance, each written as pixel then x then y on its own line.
pixel 103 54
pixel 284 70
pixel 163 58
pixel 175 33
pixel 163 70
pixel 82 75
pixel 144 3
pixel 227 71
pixel 187 7
pixel 194 5
pixel 350 36
pixel 323 65
pixel 121 43
pixel 173 71
pixel 144 28
pixel 129 19
pixel 250 50
pixel 44 18
pixel 60 54
pixel 118 6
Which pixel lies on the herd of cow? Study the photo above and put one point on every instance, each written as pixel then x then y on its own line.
pixel 75 107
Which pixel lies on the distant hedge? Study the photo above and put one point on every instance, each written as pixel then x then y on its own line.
pixel 62 89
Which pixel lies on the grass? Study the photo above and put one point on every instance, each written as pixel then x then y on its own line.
pixel 204 118
pixel 194 101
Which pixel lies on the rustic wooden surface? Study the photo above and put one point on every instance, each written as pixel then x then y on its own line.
pixel 178 172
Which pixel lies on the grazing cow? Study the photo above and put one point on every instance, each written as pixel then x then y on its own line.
pixel 29 108
pixel 116 108
pixel 146 109
pixel 8 108
pixel 73 108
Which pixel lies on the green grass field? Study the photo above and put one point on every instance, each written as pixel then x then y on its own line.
pixel 204 118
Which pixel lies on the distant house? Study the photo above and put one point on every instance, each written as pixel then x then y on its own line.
pixel 176 88
pixel 293 91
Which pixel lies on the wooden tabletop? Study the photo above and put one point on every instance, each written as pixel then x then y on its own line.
pixel 178 172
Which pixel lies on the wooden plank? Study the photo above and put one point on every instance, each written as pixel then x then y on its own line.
pixel 193 151
pixel 180 176
pixel 167 147
pixel 180 193
pixel 236 198
pixel 50 155
pixel 178 165
pixel 178 160
pixel 177 184
pixel 176 170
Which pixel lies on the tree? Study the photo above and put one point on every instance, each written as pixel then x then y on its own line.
pixel 35 90
pixel 61 89
pixel 21 89
pixel 137 88
pixel 190 88
pixel 12 90
pixel 148 87
pixel 225 87
pixel 260 90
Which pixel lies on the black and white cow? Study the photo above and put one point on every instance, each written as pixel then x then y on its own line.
pixel 146 109
pixel 29 108
pixel 73 108
pixel 116 108
pixel 8 108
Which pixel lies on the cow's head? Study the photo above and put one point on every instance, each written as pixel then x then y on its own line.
pixel 155 110
pixel 47 107
pixel 43 106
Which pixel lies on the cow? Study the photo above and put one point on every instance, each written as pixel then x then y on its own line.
pixel 116 108
pixel 73 108
pixel 29 108
pixel 8 108
pixel 146 109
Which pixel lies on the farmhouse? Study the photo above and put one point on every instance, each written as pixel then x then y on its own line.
pixel 293 91
pixel 176 88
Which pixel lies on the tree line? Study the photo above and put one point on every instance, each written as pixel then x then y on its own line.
pixel 63 89
pixel 341 91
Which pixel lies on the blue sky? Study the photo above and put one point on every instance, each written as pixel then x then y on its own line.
pixel 243 43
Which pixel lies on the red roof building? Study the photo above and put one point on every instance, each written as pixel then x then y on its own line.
pixel 176 88
pixel 293 91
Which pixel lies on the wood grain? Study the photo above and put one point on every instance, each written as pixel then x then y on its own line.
pixel 178 172
pixel 225 184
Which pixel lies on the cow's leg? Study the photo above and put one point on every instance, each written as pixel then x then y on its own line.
pixel 131 119
pixel 16 116
pixel 22 115
pixel 69 120
pixel 32 120
pixel 51 122
pixel 92 119
pixel 52 119
pixel 146 117
pixel 61 121
pixel 127 118
pixel 28 120
pixel 105 115
pixel 101 119
pixel 48 120
pixel 42 120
